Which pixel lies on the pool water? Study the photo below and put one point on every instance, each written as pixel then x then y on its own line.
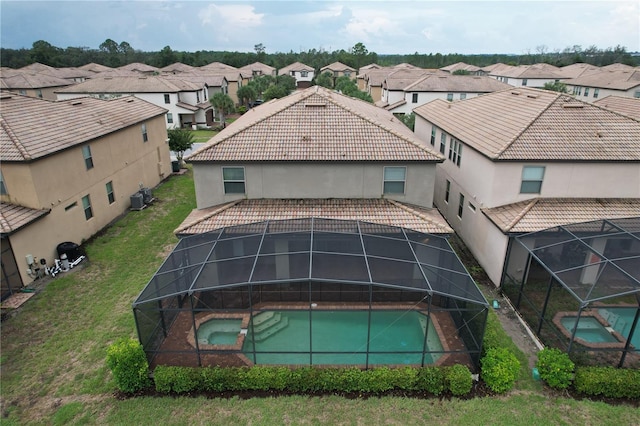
pixel 219 331
pixel 621 320
pixel 340 337
pixel 589 329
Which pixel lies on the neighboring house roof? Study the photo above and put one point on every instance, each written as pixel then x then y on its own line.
pixel 315 124
pixel 139 67
pixel 37 67
pixel 578 69
pixel 457 83
pixel 492 67
pixel 93 67
pixel 534 124
pixel 618 67
pixel 258 66
pixel 33 80
pixel 540 71
pixel 211 80
pixel 32 128
pixel 460 66
pixel 14 217
pixel 621 104
pixel 337 66
pixel 380 211
pixel 401 78
pixel 218 67
pixel 607 79
pixel 70 73
pixel 178 67
pixel 543 213
pixel 296 66
pixel 117 73
pixel 137 84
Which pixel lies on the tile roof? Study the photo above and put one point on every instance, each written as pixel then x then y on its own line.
pixel 70 73
pixel 258 66
pixel 315 124
pixel 37 67
pixel 543 213
pixel 621 104
pixel 201 78
pixel 534 124
pixel 31 128
pixel 219 66
pixel 178 67
pixel 93 67
pixel 578 69
pixel 33 80
pixel 608 79
pixel 296 66
pixel 337 66
pixel 135 84
pixel 460 66
pixel 139 67
pixel 380 211
pixel 456 83
pixel 401 78
pixel 14 217
pixel 540 70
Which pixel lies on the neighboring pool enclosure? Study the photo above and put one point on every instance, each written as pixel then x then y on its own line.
pixel 312 292
pixel 578 288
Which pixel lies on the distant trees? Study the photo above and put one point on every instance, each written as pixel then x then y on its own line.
pixel 461 72
pixel 325 80
pixel 349 87
pixel 247 94
pixel 556 86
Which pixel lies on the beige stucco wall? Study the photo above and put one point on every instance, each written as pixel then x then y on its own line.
pixel 59 181
pixel 313 180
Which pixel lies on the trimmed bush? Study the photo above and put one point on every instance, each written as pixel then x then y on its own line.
pixel 608 382
pixel 500 368
pixel 458 379
pixel 431 379
pixel 128 364
pixel 555 367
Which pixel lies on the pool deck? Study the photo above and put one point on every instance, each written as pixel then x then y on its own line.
pixel 179 347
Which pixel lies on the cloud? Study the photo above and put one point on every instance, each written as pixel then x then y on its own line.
pixel 237 16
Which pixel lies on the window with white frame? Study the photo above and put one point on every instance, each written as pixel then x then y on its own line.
pixel 233 178
pixel 532 177
pixel 167 98
pixel 463 96
pixel 455 151
pixel 304 73
pixel 447 191
pixel 461 206
pixel 596 92
pixel 110 195
pixel 524 81
pixel 414 98
pixel 169 118
pixel 586 91
pixel 347 73
pixel 636 94
pixel 449 97
pixel 88 160
pixel 145 137
pixel 86 205
pixel 394 180
pixel 443 142
pixel 433 135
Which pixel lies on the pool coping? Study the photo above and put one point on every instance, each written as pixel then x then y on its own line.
pixel 621 344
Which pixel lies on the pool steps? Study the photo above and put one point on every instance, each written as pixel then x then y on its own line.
pixel 266 324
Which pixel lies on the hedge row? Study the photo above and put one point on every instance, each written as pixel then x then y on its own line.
pixel 433 380
pixel 608 382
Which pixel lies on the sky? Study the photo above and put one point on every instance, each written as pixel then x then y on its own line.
pixel 384 27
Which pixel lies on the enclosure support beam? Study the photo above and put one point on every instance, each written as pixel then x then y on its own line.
pixel 632 331
pixel 525 277
pixel 195 330
pixel 544 307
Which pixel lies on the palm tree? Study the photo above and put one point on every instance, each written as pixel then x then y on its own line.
pixel 223 105
pixel 180 140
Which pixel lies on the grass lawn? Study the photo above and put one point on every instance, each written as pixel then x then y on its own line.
pixel 202 136
pixel 53 350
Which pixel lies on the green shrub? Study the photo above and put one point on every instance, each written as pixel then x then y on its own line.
pixel 431 379
pixel 176 379
pixel 128 364
pixel 500 369
pixel 458 379
pixel 212 379
pixel 555 368
pixel 608 382
pixel 403 378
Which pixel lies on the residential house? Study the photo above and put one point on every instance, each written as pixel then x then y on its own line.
pixel 256 69
pixel 442 86
pixel 68 170
pixel 395 81
pixel 362 72
pixel 536 75
pixel 338 69
pixel 34 84
pixel 621 104
pixel 373 79
pixel 461 66
pixel 302 73
pixel 94 68
pixel 73 75
pixel 140 68
pixel 186 103
pixel 578 69
pixel 523 160
pixel 617 81
pixel 177 68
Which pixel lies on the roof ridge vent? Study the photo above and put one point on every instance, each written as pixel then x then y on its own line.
pixel 532 95
pixel 515 92
pixel 315 104
pixel 76 103
pixel 572 105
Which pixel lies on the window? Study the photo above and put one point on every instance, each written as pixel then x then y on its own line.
pixel 433 135
pixel 460 206
pixel 347 73
pixel 596 92
pixel 167 98
pixel 463 96
pixel 449 97
pixel 472 207
pixel 198 97
pixel 443 142
pixel 22 92
pixel 414 98
pixel 636 94
pixel 447 190
pixel 532 177
pixel 394 178
pixel 70 206
pixel 39 93
pixel 145 137
pixel 169 118
pixel 3 188
pixel 110 196
pixel 524 81
pixel 86 205
pixel 579 90
pixel 88 160
pixel 455 151
pixel 304 73
pixel 233 178
pixel 586 91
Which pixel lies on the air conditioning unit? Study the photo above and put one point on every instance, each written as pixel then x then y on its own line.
pixel 137 201
pixel 147 196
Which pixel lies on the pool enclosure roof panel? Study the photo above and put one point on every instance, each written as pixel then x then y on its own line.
pixel 312 249
pixel 594 260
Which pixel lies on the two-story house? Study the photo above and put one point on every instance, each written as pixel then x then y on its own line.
pixel 302 73
pixel 607 81
pixel 536 75
pixel 186 102
pixel 68 170
pixel 337 70
pixel 523 160
pixel 461 66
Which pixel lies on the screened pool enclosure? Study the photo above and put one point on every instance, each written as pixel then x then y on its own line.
pixel 311 292
pixel 578 288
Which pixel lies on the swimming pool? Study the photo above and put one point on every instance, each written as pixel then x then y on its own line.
pixel 219 331
pixel 589 329
pixel 621 320
pixel 341 337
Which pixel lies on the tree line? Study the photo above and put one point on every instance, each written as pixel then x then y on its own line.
pixel 114 54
